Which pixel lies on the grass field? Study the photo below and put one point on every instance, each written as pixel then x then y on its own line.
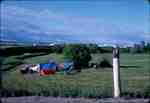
pixel 135 76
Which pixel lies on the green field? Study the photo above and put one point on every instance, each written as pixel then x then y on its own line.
pixel 135 72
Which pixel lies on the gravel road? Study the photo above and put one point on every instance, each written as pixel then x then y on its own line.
pixel 40 99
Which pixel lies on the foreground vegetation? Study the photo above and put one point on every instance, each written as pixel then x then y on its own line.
pixel 90 82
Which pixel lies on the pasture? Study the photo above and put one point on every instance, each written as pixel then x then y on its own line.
pixel 135 76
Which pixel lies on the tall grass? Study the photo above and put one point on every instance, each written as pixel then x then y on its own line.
pixel 88 83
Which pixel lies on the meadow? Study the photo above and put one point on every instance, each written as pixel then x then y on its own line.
pixel 135 76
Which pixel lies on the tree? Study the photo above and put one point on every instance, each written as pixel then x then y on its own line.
pixel 79 53
pixel 147 48
pixel 93 48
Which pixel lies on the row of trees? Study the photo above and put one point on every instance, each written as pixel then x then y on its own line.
pixel 81 53
pixel 92 48
pixel 142 47
pixel 138 48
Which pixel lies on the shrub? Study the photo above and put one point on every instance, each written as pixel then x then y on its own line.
pixel 105 63
pixel 79 53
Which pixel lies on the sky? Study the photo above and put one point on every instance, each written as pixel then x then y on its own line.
pixel 75 21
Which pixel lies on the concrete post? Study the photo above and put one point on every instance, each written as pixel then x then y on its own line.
pixel 116 72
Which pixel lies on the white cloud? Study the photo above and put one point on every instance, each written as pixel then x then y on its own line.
pixel 48 23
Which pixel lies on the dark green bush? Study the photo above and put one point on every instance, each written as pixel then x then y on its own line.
pixel 79 53
pixel 105 63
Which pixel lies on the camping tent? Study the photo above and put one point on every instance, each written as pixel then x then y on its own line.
pixel 67 66
pixel 47 69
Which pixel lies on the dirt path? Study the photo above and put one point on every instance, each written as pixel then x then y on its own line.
pixel 39 99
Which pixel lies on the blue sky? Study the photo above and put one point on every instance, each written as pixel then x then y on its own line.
pixel 75 21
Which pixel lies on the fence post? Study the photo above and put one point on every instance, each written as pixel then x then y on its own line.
pixel 116 72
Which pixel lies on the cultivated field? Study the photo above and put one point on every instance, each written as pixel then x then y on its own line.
pixel 135 76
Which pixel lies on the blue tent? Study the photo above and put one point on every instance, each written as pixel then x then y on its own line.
pixel 48 66
pixel 68 66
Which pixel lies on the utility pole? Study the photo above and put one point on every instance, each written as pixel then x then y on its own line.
pixel 116 72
